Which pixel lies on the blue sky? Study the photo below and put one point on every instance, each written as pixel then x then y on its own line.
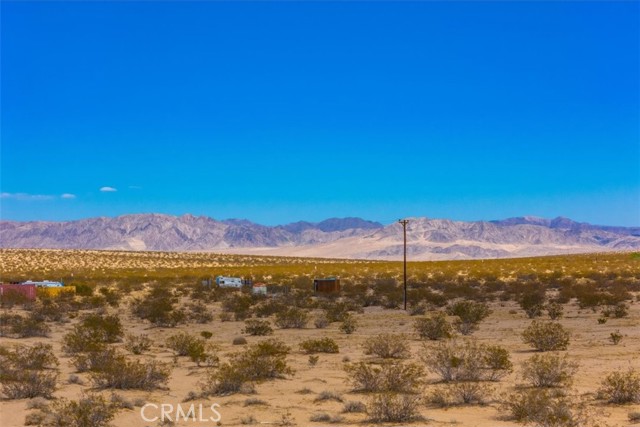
pixel 281 111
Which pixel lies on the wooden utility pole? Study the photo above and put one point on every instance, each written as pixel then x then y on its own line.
pixel 404 231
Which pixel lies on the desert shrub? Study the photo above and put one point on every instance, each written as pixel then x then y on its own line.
pixel 199 313
pixel 467 361
pixel 532 302
pixel 546 336
pixel 354 407
pixel 320 345
pixel 184 344
pixel 137 344
pixel 548 370
pixel 14 325
pixel 321 321
pixel 461 393
pixel 617 311
pixel 257 327
pixel 470 314
pixel 206 334
pixel 328 395
pixel 554 310
pixel 634 417
pixel 112 296
pixel 313 359
pixel 418 309
pixel 545 408
pixel 262 361
pixel 349 325
pixel 387 346
pixel 27 372
pixel 433 327
pixel 239 304
pixel 388 377
pixel 90 410
pixel 92 332
pixel 393 407
pixel 95 360
pixel 122 373
pixel 615 337
pixel 336 312
pixel 51 310
pixel 323 417
pixel 158 307
pixel 621 387
pixel 292 317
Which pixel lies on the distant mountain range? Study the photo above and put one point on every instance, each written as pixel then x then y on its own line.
pixel 333 238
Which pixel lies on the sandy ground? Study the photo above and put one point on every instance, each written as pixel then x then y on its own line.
pixel 590 347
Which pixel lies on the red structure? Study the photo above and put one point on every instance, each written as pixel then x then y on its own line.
pixel 326 286
pixel 28 291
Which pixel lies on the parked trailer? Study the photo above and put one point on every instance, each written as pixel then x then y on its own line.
pixel 29 291
pixel 229 282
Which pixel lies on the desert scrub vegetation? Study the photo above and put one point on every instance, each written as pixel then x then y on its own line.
pixel 546 336
pixel 137 344
pixel 433 327
pixel 470 314
pixel 158 307
pixel 466 360
pixel 197 349
pixel 621 387
pixel 319 345
pixel 292 318
pixel 387 346
pixel 394 407
pixel 17 326
pixel 548 408
pixel 548 370
pixel 91 333
pixel 257 327
pixel 27 372
pixel 118 371
pixel 393 377
pixel 263 361
pixel 349 324
pixel 460 393
pixel 90 410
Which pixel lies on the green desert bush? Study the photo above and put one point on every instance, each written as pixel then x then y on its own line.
pixel 90 410
pixel 466 361
pixel 433 327
pixel 257 327
pixel 27 372
pixel 122 373
pixel 387 377
pixel 92 332
pixel 260 362
pixel 17 326
pixel 158 307
pixel 387 346
pixel 460 393
pixel 349 325
pixel 319 345
pixel 137 344
pixel 546 336
pixel 554 310
pixel 394 408
pixel 532 302
pixel 470 314
pixel 615 337
pixel 548 370
pixel 197 349
pixel 621 387
pixel 547 408
pixel 292 318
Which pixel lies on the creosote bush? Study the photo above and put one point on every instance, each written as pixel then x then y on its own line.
pixel 394 407
pixel 466 361
pixel 257 327
pixel 387 346
pixel 547 408
pixel 546 336
pixel 158 307
pixel 92 410
pixel 470 314
pixel 27 372
pixel 92 332
pixel 319 345
pixel 260 362
pixel 349 325
pixel 548 370
pixel 387 377
pixel 292 318
pixel 137 344
pixel 17 326
pixel 433 327
pixel 460 393
pixel 198 350
pixel 621 387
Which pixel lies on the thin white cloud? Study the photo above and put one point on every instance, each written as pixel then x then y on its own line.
pixel 68 196
pixel 108 189
pixel 26 196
